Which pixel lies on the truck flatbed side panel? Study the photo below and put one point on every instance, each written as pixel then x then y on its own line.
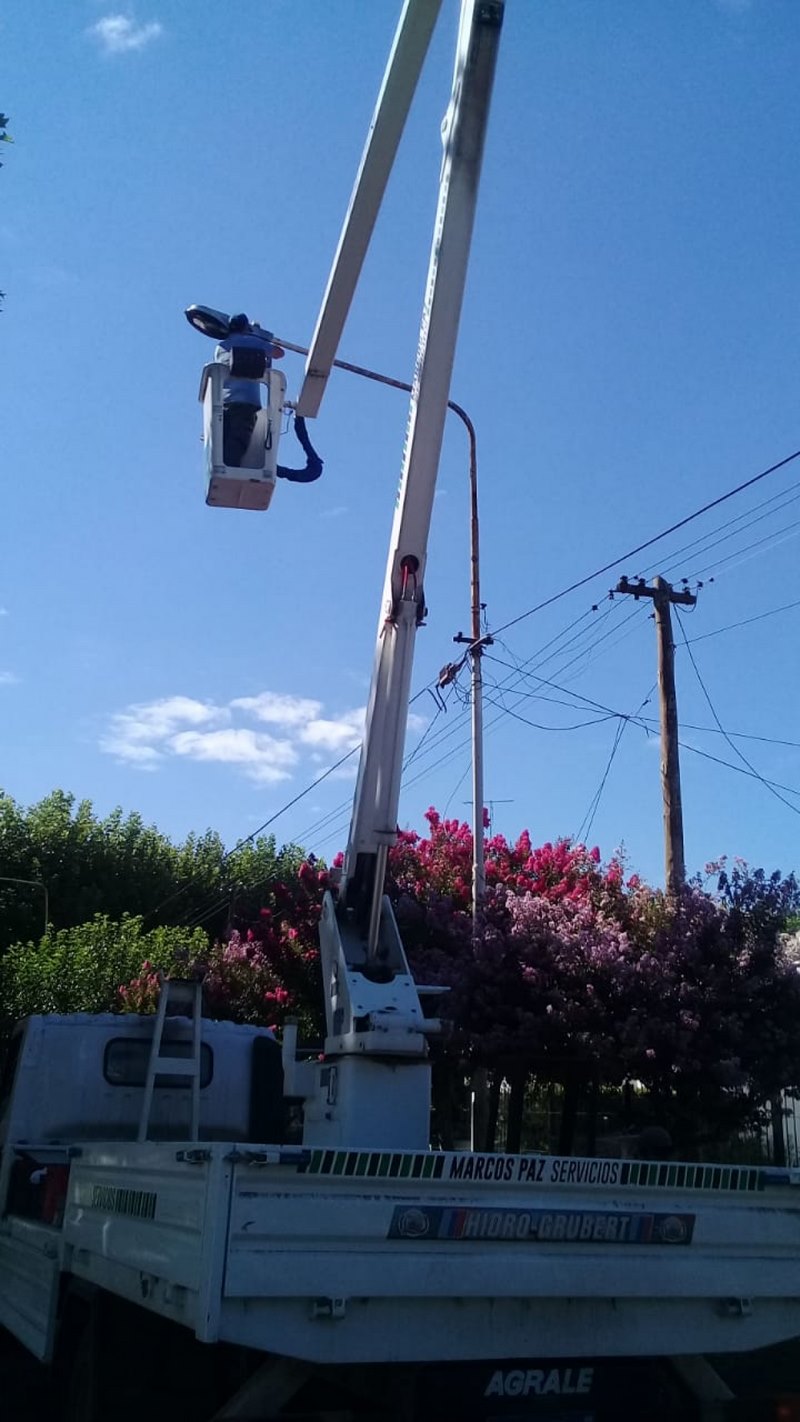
pixel 413 1244
pixel 141 1207
pixel 360 1256
pixel 29 1283
pixel 529 1240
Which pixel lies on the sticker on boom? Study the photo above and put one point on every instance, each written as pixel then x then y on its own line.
pixel 437 1222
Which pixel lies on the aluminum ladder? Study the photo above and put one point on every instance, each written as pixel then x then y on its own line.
pixel 182 996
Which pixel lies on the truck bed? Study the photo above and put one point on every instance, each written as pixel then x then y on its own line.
pixel 364 1256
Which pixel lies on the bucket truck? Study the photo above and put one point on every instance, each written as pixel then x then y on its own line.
pixel 173 1248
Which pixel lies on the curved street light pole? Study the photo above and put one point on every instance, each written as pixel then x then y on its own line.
pixel 36 884
pixel 476 641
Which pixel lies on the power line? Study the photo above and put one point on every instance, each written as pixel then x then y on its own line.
pixel 707 541
pixel 538 726
pixel 594 804
pixel 769 538
pixel 344 806
pixel 590 631
pixel 732 626
pixel 687 725
pixel 462 777
pixel 535 658
pixel 223 893
pixel 735 735
pixel 247 839
pixel 742 757
pixel 740 770
pixel 592 652
pixel 632 552
pixel 642 723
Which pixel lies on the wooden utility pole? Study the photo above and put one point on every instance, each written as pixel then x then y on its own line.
pixel 663 595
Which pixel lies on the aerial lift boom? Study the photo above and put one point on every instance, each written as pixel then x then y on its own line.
pixel 374 1015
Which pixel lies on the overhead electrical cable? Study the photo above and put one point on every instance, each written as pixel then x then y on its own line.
pixel 247 839
pixel 617 634
pixel 782 535
pixel 732 626
pixel 222 895
pixel 539 726
pixel 642 723
pixel 586 823
pixel 742 757
pixel 740 770
pixel 649 542
pixel 641 720
pixel 711 539
pixel 585 826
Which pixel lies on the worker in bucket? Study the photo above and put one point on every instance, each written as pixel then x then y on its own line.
pixel 242 401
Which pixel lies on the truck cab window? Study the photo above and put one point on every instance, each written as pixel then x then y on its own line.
pixel 125 1062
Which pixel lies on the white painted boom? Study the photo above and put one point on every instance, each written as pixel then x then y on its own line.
pixel 374 822
pixel 403 69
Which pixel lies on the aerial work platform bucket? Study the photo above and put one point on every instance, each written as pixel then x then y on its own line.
pixel 250 484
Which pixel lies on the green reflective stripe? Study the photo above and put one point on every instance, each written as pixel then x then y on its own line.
pixel 634 1174
pixel 649 1175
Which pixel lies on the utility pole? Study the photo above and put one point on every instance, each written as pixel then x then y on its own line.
pixel 663 595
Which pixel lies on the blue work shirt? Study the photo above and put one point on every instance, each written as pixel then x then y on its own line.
pixel 236 391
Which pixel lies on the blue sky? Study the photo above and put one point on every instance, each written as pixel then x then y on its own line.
pixel 628 352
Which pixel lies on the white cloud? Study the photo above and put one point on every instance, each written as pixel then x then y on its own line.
pixel 262 758
pixel 147 734
pixel 276 710
pixel 145 757
pixel 8 678
pixel 141 734
pixel 339 735
pixel 118 34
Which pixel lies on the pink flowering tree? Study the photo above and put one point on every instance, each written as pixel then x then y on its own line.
pixel 581 976
pixel 440 866
pixel 265 970
pixel 501 1019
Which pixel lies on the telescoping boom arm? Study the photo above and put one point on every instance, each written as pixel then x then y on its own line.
pixel 374 824
pixel 373 1008
pixel 374 821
